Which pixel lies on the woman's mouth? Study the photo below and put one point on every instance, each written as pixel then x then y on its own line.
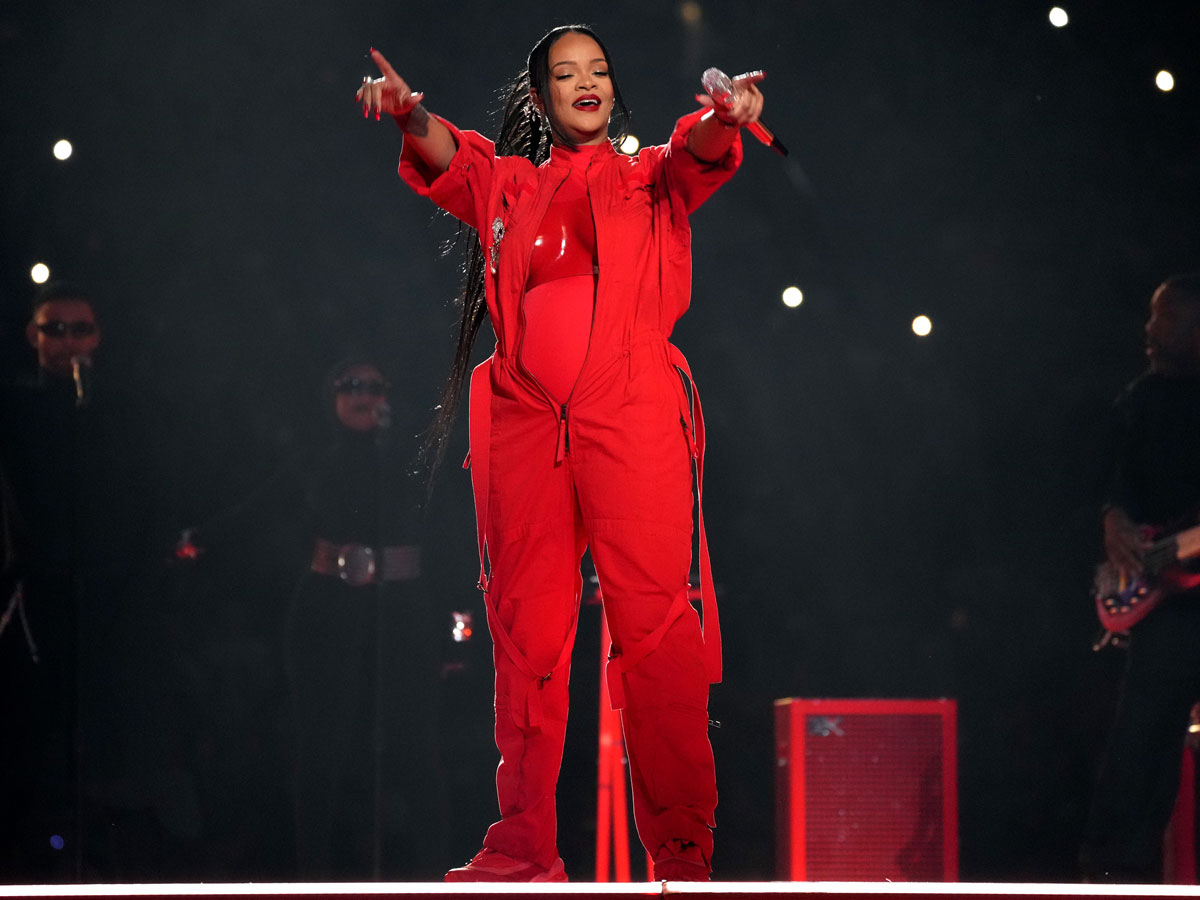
pixel 588 103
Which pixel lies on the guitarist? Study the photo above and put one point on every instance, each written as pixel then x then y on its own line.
pixel 1154 477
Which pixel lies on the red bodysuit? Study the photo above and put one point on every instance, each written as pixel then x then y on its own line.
pixel 561 290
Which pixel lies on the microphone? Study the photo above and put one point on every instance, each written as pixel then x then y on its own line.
pixel 719 86
pixel 81 372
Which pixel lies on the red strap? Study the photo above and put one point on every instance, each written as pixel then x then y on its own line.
pixel 617 666
pixel 708 595
pixel 479 430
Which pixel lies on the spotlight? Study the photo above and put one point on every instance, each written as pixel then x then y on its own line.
pixel 40 273
pixel 464 623
pixel 1058 17
pixel 691 12
pixel 630 145
pixel 63 149
pixel 792 297
pixel 1165 81
pixel 921 326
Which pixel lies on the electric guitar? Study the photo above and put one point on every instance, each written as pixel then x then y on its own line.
pixel 1123 602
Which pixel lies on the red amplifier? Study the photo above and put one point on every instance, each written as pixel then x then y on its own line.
pixel 866 790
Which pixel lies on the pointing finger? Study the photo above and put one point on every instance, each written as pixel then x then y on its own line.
pixel 384 66
pixel 750 77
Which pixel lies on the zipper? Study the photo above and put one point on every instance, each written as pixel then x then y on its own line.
pixel 564 438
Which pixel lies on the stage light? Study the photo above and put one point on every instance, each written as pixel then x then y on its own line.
pixel 463 626
pixel 630 145
pixel 1165 81
pixel 1058 17
pixel 63 149
pixel 921 326
pixel 690 12
pixel 792 297
pixel 40 273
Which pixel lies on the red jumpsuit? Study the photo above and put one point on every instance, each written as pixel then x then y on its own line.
pixel 611 469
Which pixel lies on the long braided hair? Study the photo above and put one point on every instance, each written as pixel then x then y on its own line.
pixel 524 131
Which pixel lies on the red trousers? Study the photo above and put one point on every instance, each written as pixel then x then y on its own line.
pixel 620 483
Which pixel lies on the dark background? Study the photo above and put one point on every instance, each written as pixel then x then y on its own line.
pixel 890 516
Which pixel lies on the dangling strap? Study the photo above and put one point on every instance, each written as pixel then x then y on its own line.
pixel 479 431
pixel 708 594
pixel 618 666
pixel 501 636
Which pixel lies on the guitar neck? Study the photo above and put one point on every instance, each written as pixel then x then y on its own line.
pixel 1173 549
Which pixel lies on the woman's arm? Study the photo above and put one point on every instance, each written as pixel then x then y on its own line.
pixel 390 94
pixel 713 135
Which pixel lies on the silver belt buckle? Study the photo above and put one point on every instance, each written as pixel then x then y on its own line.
pixel 356 564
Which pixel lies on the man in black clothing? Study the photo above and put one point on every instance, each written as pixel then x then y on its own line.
pixel 77 503
pixel 1154 480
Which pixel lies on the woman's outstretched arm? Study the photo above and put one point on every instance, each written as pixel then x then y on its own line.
pixel 390 94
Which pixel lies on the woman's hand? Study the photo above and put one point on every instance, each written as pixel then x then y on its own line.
pixel 714 133
pixel 388 94
pixel 425 135
pixel 743 106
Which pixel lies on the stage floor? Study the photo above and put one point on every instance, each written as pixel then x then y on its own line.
pixel 729 890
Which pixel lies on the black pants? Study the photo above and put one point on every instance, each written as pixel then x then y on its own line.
pixel 367 761
pixel 1139 776
pixel 39 765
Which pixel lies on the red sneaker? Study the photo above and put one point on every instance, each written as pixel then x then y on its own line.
pixel 491 865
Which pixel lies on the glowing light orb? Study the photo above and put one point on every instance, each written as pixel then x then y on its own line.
pixel 1059 17
pixel 63 149
pixel 40 273
pixel 630 145
pixel 792 297
pixel 1165 81
pixel 690 12
pixel 921 326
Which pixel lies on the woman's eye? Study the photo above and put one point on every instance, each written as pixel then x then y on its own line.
pixel 561 77
pixel 601 73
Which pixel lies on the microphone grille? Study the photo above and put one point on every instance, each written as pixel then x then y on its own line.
pixel 716 84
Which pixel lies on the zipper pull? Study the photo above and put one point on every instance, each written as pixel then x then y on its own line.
pixel 564 443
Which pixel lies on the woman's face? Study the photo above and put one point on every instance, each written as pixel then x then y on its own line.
pixel 580 90
pixel 360 397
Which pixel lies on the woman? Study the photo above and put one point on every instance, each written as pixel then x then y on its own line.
pixel 585 430
pixel 362 640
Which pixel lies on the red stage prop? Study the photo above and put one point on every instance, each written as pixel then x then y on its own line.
pixel 612 786
pixel 866 790
pixel 1179 844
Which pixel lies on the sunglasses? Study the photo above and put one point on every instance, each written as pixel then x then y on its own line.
pixel 59 329
pixel 357 387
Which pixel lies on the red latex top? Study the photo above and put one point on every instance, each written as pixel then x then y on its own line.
pixel 565 243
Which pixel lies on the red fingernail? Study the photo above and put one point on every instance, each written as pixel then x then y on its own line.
pixel 372 50
pixel 366 111
pixel 376 115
